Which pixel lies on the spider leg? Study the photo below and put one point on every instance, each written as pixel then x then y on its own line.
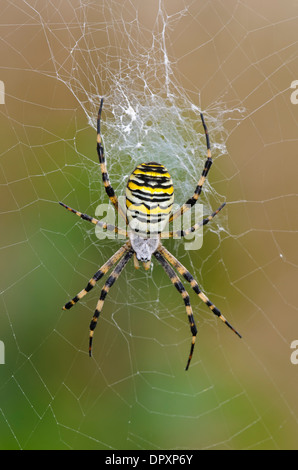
pixel 135 261
pixel 186 274
pixel 183 233
pixel 191 202
pixel 179 286
pixel 98 275
pixel 110 281
pixel 103 225
pixel 105 176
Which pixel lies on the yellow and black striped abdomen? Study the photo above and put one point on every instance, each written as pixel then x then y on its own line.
pixel 149 198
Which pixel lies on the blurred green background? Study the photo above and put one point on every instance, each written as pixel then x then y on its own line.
pixel 134 393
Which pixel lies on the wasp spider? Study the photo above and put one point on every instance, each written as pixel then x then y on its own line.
pixel 149 201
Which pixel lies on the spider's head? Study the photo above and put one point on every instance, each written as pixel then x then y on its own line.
pixel 143 247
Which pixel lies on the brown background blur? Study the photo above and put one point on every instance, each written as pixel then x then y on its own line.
pixel 233 59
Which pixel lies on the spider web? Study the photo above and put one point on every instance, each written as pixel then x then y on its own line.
pixel 157 64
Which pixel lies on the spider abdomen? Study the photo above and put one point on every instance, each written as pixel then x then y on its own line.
pixel 149 198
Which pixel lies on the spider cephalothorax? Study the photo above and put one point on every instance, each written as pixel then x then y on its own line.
pixel 149 202
pixel 144 247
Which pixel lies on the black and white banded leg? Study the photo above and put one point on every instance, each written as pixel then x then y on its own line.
pixel 181 289
pixel 98 275
pixel 110 281
pixel 186 274
pixel 192 201
pixel 105 176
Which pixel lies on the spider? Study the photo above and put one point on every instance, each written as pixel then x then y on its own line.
pixel 149 199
